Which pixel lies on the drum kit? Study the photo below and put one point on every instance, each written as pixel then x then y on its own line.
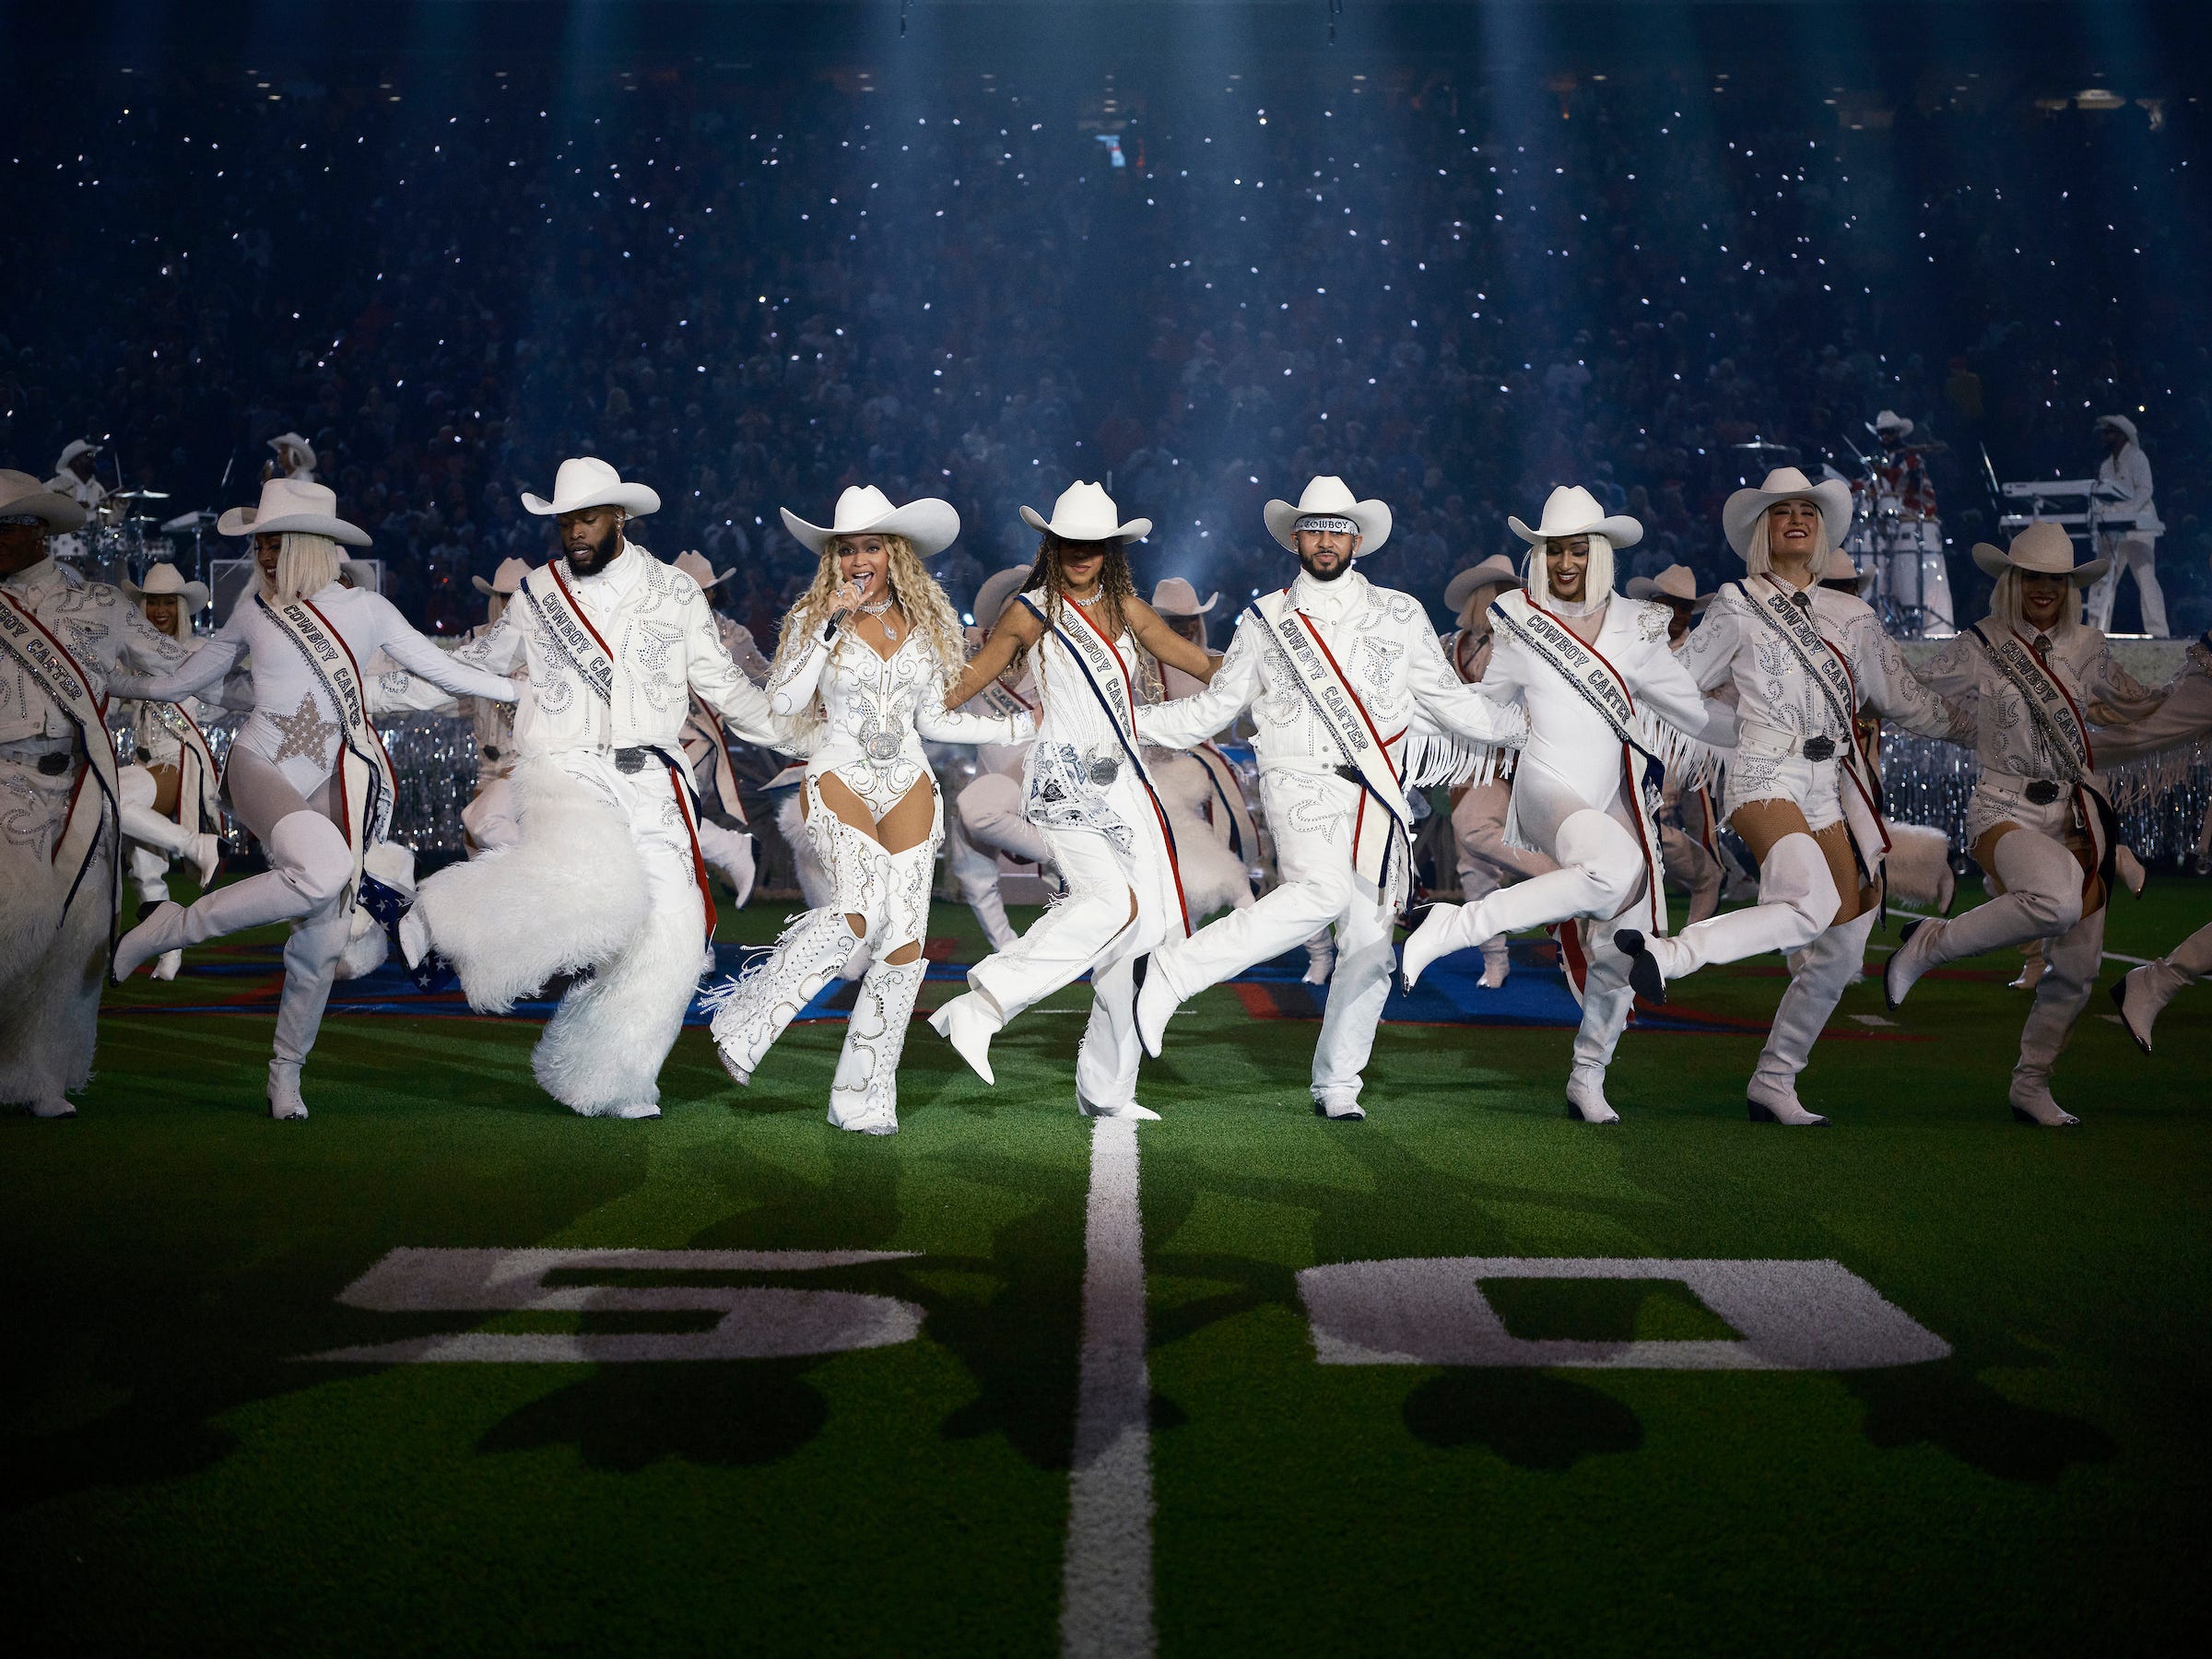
pixel 121 540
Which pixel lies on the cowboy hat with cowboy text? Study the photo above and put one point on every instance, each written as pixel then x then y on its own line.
pixel 931 525
pixel 292 506
pixel 22 495
pixel 1327 497
pixel 587 482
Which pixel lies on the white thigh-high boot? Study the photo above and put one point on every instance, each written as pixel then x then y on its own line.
pixel 2060 997
pixel 310 865
pixel 1063 944
pixel 729 853
pixel 1477 882
pixel 864 1096
pixel 1825 971
pixel 1797 901
pixel 148 872
pixel 1607 1000
pixel 149 829
pixel 751 1011
pixel 311 963
pixel 2149 988
pixel 1600 870
pixel 2041 898
pixel 603 1050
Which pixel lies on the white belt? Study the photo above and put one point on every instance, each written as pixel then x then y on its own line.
pixel 1773 742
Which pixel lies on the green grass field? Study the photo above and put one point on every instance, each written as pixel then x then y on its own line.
pixel 178 1474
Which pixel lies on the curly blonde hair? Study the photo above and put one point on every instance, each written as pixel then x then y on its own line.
pixel 912 589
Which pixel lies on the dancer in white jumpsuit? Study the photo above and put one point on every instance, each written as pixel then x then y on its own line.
pixel 1800 789
pixel 307 773
pixel 1604 699
pixel 171 790
pixel 986 817
pixel 2041 820
pixel 861 674
pixel 1085 635
pixel 1353 704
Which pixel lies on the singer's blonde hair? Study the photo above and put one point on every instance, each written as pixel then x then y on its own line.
pixel 1596 583
pixel 306 564
pixel 1758 558
pixel 2007 604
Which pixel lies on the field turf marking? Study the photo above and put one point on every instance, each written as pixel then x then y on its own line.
pixel 757 1321
pixel 1106 1580
pixel 1788 1315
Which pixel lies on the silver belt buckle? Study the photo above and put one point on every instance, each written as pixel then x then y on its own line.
pixel 630 759
pixel 1822 748
pixel 1103 770
pixel 2043 792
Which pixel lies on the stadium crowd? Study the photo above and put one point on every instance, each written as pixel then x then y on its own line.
pixel 752 295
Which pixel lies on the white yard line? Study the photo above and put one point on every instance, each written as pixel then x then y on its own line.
pixel 1106 1583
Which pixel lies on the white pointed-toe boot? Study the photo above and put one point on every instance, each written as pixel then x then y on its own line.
pixel 864 1096
pixel 1586 1096
pixel 751 1011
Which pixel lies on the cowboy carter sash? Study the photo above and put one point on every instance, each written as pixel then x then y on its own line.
pixel 53 670
pixel 1599 685
pixel 367 787
pixel 1825 666
pixel 1343 717
pixel 1106 679
pixel 2061 734
pixel 575 640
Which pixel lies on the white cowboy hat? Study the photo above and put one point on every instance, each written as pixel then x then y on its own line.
pixel 1680 584
pixel 1740 513
pixel 1889 420
pixel 2120 422
pixel 76 447
pixel 21 493
pixel 1326 497
pixel 1841 570
pixel 506 581
pixel 292 504
pixel 587 482
pixel 1172 596
pixel 862 510
pixel 1497 571
pixel 694 566
pixel 165 579
pixel 998 588
pixel 1086 512
pixel 293 441
pixel 2043 548
pixel 1569 510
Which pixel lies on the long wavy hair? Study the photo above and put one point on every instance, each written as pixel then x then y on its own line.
pixel 305 566
pixel 2007 604
pixel 1597 581
pixel 1758 558
pixel 911 588
pixel 1116 585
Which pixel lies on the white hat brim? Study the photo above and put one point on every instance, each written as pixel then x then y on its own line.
pixel 1458 589
pixel 1648 588
pixel 1740 512
pixel 240 520
pixel 930 524
pixel 1372 517
pixel 58 510
pixel 1996 562
pixel 636 500
pixel 1134 530
pixel 195 594
pixel 1619 529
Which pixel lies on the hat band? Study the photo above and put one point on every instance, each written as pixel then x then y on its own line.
pixel 22 518
pixel 1326 523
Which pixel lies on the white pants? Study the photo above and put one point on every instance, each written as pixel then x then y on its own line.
pixel 1310 818
pixel 53 963
pixel 2138 554
pixel 1097 928
pixel 974 872
pixel 1686 861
